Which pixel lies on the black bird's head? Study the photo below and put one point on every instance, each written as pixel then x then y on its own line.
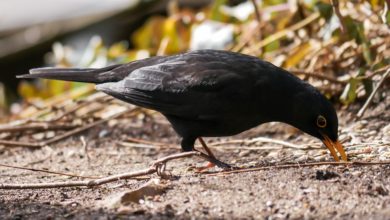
pixel 315 115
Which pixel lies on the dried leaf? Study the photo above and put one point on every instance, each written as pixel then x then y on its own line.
pixel 152 188
pixel 150 34
pixel 375 4
pixel 298 54
pixel 118 50
pixel 170 36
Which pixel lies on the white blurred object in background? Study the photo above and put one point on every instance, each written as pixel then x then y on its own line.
pixel 22 13
pixel 211 35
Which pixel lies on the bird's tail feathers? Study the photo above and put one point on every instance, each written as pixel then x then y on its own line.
pixel 88 75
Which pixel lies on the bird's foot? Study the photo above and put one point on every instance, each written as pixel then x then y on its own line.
pixel 212 163
pixel 203 169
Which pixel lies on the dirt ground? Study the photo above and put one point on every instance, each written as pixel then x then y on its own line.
pixel 319 192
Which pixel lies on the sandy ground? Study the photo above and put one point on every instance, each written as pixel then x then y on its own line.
pixel 320 192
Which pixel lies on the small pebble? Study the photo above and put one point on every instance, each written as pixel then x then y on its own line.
pixel 244 153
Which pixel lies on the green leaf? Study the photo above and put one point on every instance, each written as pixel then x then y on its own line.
pixel 367 83
pixel 272 46
pixel 325 9
pixel 352 29
pixel 367 54
pixel 273 2
pixel 349 94
pixel 368 86
pixel 355 30
pixel 215 11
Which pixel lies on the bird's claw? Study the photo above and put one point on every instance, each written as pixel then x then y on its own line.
pixel 209 165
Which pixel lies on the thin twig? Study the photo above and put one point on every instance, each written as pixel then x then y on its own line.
pixel 160 144
pixel 365 106
pixel 36 127
pixel 79 104
pixel 144 143
pixel 65 135
pixel 88 126
pixel 257 11
pixel 287 166
pixel 51 102
pixel 258 18
pixel 245 37
pixel 283 33
pixel 376 72
pixel 336 9
pixel 146 146
pixel 74 109
pixel 224 147
pixel 85 147
pixel 162 161
pixel 259 139
pixel 319 76
pixel 20 144
pixel 48 171
pixel 154 168
pixel 139 143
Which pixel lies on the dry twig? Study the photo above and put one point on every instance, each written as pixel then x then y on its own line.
pixel 319 76
pixel 86 150
pixel 157 166
pixel 36 127
pixel 139 143
pixel 48 171
pixel 65 135
pixel 259 139
pixel 283 33
pixel 286 166
pixel 336 9
pixel 257 11
pixel 367 103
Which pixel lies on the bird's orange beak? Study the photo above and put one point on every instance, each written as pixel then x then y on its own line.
pixel 333 146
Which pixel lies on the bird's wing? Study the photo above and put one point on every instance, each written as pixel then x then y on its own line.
pixel 185 87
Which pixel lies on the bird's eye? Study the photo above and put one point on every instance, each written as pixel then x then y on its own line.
pixel 321 121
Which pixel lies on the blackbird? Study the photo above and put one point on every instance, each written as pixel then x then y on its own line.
pixel 212 93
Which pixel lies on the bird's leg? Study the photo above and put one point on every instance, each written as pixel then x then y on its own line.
pixel 210 154
pixel 207 149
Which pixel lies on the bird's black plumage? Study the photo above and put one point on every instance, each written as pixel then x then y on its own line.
pixel 211 93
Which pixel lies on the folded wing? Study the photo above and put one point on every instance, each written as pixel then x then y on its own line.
pixel 184 87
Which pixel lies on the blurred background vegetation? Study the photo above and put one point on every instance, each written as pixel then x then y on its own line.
pixel 341 47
